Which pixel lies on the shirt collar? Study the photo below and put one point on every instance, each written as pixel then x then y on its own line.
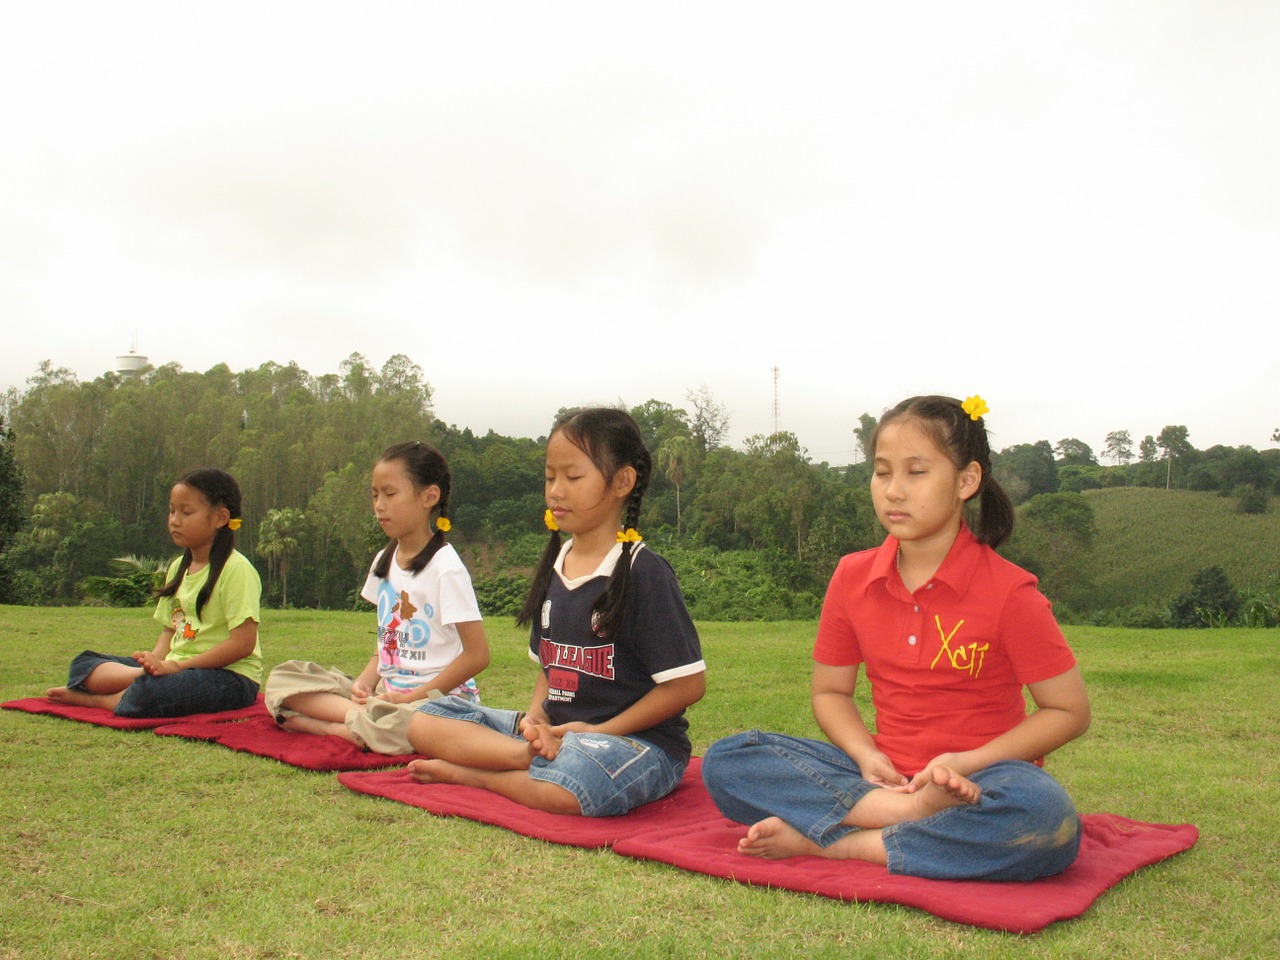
pixel 955 572
pixel 604 570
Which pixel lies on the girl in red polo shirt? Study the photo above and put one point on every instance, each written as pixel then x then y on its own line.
pixel 950 785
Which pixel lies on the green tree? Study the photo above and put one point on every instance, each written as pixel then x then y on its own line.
pixel 68 538
pixel 1027 470
pixel 12 506
pixel 675 457
pixel 865 433
pixel 1119 447
pixel 710 422
pixel 12 513
pixel 1173 441
pixel 278 541
pixel 1147 449
pixel 1075 452
pixel 1211 602
pixel 1053 538
pixel 659 422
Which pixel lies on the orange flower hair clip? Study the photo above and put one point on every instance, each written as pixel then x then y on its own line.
pixel 443 524
pixel 629 535
pixel 549 519
pixel 975 407
pixel 234 523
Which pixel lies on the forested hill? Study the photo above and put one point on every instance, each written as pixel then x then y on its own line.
pixel 86 467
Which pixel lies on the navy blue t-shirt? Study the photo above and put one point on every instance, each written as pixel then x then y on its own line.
pixel 592 678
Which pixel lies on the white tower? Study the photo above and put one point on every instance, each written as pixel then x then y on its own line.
pixel 131 364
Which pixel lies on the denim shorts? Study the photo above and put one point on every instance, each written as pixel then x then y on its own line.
pixel 1023 827
pixel 608 775
pixel 195 690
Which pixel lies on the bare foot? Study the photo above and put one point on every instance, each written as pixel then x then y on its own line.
pixel 946 789
pixel 301 724
pixel 435 771
pixel 78 698
pixel 774 839
pixel 541 740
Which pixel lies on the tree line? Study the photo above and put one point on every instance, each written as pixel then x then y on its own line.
pixel 754 532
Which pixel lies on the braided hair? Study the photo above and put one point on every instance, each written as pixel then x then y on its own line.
pixel 964 441
pixel 220 489
pixel 612 441
pixel 426 467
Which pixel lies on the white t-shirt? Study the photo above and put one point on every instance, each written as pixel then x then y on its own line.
pixel 417 614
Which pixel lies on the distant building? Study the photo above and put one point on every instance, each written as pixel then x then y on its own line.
pixel 131 364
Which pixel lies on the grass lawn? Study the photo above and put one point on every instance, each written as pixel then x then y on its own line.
pixel 127 845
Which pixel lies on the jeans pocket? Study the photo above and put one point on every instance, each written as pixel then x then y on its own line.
pixel 612 755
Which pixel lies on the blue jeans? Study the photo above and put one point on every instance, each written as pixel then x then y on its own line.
pixel 608 775
pixel 195 690
pixel 1023 826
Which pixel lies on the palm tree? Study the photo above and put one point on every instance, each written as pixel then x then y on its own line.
pixel 278 541
pixel 675 456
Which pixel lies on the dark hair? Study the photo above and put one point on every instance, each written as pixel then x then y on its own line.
pixel 964 441
pixel 221 490
pixel 611 439
pixel 426 467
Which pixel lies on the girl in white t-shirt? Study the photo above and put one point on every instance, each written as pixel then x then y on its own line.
pixel 430 639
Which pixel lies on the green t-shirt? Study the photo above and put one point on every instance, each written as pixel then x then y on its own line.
pixel 233 601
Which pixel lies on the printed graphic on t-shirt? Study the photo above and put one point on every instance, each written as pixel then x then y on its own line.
pixel 967 658
pixel 566 663
pixel 181 625
pixel 402 636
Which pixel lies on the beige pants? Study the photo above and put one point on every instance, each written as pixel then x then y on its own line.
pixel 379 726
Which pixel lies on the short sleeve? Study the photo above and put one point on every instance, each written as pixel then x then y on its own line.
pixel 240 590
pixel 457 597
pixel 837 642
pixel 667 642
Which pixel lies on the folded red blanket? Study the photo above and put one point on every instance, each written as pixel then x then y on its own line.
pixel 102 717
pixel 686 830
pixel 689 802
pixel 262 737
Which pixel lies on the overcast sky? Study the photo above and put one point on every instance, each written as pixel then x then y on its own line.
pixel 1071 209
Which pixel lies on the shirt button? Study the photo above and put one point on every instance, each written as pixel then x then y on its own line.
pixel 912 639
pixel 928 586
pixel 916 609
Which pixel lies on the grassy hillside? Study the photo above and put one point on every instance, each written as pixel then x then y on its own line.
pixel 1150 542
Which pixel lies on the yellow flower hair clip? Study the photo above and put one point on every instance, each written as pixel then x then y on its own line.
pixel 629 535
pixel 233 523
pixel 975 407
pixel 443 524
pixel 549 519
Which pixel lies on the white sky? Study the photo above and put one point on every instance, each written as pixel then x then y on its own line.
pixel 1071 209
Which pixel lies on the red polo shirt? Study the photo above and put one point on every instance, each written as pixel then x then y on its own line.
pixel 947 664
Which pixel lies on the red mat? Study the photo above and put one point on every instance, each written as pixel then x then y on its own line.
pixel 102 717
pixel 689 802
pixel 685 830
pixel 262 737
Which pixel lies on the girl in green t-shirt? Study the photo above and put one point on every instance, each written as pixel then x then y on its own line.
pixel 207 657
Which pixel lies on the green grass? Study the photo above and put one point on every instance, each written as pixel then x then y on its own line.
pixel 127 845
pixel 1150 542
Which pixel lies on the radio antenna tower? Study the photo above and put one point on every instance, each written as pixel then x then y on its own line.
pixel 777 417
